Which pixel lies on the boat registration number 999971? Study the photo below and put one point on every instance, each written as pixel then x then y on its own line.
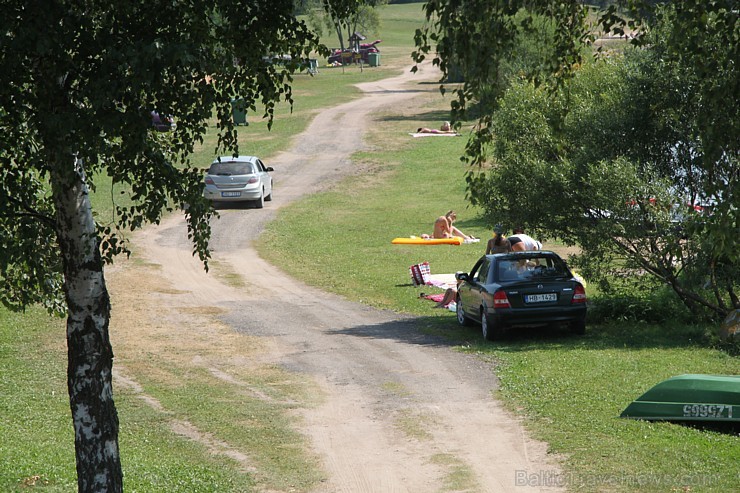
pixel 707 411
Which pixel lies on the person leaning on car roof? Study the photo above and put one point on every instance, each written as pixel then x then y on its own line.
pixel 521 242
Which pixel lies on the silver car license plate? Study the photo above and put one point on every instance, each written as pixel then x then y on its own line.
pixel 231 194
pixel 540 298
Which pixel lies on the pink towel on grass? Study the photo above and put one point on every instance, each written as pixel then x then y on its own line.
pixel 435 297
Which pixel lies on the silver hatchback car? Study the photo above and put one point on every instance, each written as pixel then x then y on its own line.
pixel 238 179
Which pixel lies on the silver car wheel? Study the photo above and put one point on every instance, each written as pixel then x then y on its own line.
pixel 462 319
pixel 460 313
pixel 261 201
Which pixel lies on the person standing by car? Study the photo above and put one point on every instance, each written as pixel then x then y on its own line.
pixel 521 242
pixel 499 243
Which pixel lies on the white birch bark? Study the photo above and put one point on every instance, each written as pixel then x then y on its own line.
pixel 90 356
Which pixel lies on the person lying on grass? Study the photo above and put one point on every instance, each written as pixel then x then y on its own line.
pixel 445 129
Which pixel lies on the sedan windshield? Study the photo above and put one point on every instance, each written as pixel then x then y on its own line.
pixel 227 169
pixel 544 267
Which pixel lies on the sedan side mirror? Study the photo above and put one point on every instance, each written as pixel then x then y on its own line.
pixel 270 168
pixel 461 276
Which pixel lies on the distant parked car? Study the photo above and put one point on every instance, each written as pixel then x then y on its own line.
pixel 523 288
pixel 162 123
pixel 238 179
pixel 350 55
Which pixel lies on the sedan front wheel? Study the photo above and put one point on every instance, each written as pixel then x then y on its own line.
pixel 462 319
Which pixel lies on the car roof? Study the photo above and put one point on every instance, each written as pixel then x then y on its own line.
pixel 525 254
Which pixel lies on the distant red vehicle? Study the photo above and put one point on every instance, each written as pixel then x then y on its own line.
pixel 348 55
pixel 162 123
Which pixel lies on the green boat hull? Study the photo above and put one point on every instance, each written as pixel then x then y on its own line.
pixel 690 398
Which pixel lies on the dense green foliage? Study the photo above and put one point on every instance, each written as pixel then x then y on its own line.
pixel 620 157
pixel 612 155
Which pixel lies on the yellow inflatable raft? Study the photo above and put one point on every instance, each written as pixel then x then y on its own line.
pixel 415 240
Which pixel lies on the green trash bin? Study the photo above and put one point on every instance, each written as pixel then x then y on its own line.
pixel 239 112
pixel 373 59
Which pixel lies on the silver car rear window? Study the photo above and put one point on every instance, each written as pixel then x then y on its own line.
pixel 231 168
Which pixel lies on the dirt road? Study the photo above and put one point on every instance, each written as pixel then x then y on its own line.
pixel 400 409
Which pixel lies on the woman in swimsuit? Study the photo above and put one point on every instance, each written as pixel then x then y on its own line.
pixel 499 243
pixel 443 227
pixel 445 129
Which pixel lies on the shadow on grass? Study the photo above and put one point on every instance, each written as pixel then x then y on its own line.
pixel 471 223
pixel 446 331
pixel 432 116
pixel 725 428
pixel 626 335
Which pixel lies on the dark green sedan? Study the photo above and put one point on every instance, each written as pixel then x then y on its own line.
pixel 520 289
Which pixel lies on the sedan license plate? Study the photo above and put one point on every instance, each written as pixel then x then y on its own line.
pixel 231 194
pixel 540 298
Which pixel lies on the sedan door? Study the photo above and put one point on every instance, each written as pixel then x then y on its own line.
pixel 265 177
pixel 471 291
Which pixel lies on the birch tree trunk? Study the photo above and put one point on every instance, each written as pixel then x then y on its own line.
pixel 89 352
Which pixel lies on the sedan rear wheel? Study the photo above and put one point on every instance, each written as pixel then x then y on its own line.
pixel 490 327
pixel 578 327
